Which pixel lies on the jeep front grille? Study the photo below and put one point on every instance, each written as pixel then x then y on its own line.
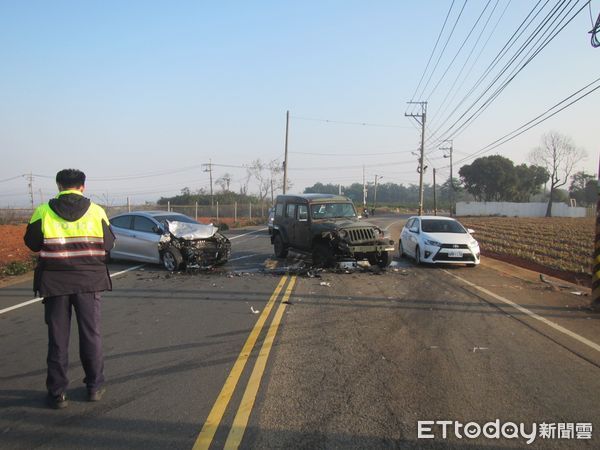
pixel 357 235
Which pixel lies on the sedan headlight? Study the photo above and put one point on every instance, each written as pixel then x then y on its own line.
pixel 432 243
pixel 473 244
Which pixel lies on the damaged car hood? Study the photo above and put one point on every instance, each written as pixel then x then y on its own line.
pixel 191 231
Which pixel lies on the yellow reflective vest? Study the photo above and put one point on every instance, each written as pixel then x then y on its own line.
pixel 77 242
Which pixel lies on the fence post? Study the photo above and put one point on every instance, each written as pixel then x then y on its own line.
pixel 217 210
pixel 128 204
pixel 250 213
pixel 235 211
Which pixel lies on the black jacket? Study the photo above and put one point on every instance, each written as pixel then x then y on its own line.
pixel 52 279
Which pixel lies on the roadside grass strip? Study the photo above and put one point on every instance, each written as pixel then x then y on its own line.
pixel 213 421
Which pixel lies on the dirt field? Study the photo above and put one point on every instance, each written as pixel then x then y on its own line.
pixel 12 247
pixel 558 246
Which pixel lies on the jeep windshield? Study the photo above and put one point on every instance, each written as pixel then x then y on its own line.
pixel 332 210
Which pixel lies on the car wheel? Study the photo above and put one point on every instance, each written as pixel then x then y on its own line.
pixel 279 247
pixel 385 259
pixel 172 259
pixel 401 252
pixel 323 256
pixel 417 255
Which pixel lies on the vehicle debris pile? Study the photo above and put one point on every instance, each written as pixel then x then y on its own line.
pixel 194 246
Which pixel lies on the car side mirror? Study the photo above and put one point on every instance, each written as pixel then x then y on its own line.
pixel 470 230
pixel 157 229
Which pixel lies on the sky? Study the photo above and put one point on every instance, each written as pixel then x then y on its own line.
pixel 140 94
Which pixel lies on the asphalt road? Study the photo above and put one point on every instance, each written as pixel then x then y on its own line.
pixel 256 358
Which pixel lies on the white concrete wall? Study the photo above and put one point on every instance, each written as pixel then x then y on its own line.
pixel 516 209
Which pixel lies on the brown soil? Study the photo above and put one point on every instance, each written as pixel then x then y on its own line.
pixel 12 247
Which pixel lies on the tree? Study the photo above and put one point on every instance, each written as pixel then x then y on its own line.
pixel 269 177
pixel 583 188
pixel 491 178
pixel 528 181
pixel 558 155
pixel 223 182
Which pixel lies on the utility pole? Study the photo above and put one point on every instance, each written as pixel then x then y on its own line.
pixel 208 168
pixel 285 158
pixel 420 118
pixel 364 190
pixel 434 197
pixel 450 148
pixel 30 186
pixel 375 195
pixel 596 261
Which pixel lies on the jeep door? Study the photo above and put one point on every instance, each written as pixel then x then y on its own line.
pixel 302 235
pixel 289 220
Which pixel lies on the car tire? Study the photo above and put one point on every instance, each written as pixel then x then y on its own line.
pixel 323 256
pixel 417 256
pixel 385 259
pixel 172 259
pixel 279 247
pixel 401 252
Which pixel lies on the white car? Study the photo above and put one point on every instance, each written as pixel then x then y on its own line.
pixel 438 240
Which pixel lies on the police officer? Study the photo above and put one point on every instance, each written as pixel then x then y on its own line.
pixel 72 235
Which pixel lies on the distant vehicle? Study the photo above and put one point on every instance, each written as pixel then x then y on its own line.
pixel 438 240
pixel 327 227
pixel 270 220
pixel 173 239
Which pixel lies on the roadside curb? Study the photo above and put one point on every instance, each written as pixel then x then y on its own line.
pixel 16 279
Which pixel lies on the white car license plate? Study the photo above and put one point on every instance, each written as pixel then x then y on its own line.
pixel 454 254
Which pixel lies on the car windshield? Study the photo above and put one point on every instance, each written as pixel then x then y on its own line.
pixel 174 218
pixel 441 226
pixel 332 210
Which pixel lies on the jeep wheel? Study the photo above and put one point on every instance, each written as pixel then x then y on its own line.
pixel 323 256
pixel 172 259
pixel 279 247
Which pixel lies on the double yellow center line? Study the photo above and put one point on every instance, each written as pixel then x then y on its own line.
pixel 242 415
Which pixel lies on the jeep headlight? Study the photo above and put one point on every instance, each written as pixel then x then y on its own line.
pixel 379 233
pixel 342 234
pixel 432 243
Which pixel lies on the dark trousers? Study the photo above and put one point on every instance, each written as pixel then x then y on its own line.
pixel 58 318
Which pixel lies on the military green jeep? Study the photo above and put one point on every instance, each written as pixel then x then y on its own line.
pixel 327 227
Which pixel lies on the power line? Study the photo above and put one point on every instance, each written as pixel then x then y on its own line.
pixel 433 51
pixel 340 122
pixel 461 47
pixel 443 49
pixel 441 108
pixel 495 61
pixel 535 121
pixel 520 66
pixel 352 154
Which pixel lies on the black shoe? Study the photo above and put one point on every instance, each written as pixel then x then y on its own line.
pixel 58 401
pixel 96 396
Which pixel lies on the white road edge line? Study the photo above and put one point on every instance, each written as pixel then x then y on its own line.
pixel 39 299
pixel 246 234
pixel 531 314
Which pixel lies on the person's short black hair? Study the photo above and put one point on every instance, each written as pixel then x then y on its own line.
pixel 70 178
